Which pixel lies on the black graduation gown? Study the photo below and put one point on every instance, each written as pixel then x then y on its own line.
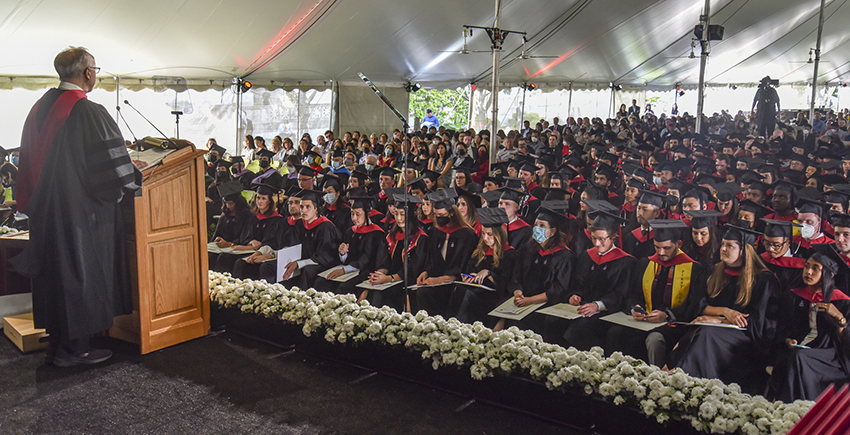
pixel 789 270
pixel 545 271
pixel 366 253
pixel 244 177
pixel 264 229
pixel 287 233
pixel 699 255
pixel 275 179
pixel 519 233
pixel 381 203
pixel 320 241
pixel 580 241
pixel 637 244
pixel 461 242
pixel 340 214
pixel 76 251
pixel 236 227
pixel 598 279
pixel 733 355
pixel 417 251
pixel 476 302
pixel 802 374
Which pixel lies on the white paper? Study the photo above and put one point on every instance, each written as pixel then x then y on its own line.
pixel 384 286
pixel 476 285
pixel 286 256
pixel 342 278
pixel 628 320
pixel 507 310
pixel 564 311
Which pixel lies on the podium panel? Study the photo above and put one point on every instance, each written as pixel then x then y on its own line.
pixel 171 288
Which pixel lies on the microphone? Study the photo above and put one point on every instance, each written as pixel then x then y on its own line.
pixel 135 139
pixel 152 124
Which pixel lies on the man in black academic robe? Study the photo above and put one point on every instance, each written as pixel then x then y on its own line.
pixel 320 241
pixel 74 171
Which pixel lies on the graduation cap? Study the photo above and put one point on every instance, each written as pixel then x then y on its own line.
pixel 306 171
pixel 265 153
pixel 514 183
pixel 607 220
pixel 431 175
pixel 786 186
pixel 237 159
pixel 528 167
pixel 553 212
pixel 391 192
pixel 268 189
pixel 681 149
pixel 759 185
pixel 703 218
pixel 837 197
pixel 361 202
pixel 832 180
pixel 331 180
pixel 315 196
pixel 664 166
pixel 492 198
pixel 644 173
pixel 809 193
pixel 388 172
pixel 827 255
pixel 607 171
pixel 547 160
pixel 217 148
pixel 748 177
pixel 510 194
pixel 653 198
pixel 360 176
pixel 594 205
pixel 636 183
pixel 492 217
pixel 311 155
pixel 443 199
pixel 806 205
pixel 839 220
pixel 727 191
pixel 223 163
pixel 667 229
pixel 472 199
pixel 744 236
pixel 754 207
pixel 229 188
pixel 779 228
pixel 399 199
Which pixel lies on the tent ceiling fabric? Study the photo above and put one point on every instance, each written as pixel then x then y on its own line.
pixel 639 43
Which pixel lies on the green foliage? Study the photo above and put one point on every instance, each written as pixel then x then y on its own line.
pixel 450 105
pixel 653 100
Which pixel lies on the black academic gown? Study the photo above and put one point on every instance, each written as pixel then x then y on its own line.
pixel 580 241
pixel 802 374
pixel 340 214
pixel 236 228
pixel 733 355
pixel 545 271
pixel 638 244
pixel 76 252
pixel 789 270
pixel 459 243
pixel 417 252
pixel 320 241
pixel 264 229
pixel 519 233
pixel 366 253
pixel 286 233
pixel 274 179
pixel 598 278
pixel 244 177
pixel 476 302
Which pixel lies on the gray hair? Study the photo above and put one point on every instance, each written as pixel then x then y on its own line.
pixel 71 63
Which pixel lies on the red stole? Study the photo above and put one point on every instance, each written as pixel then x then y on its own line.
pixel 291 220
pixel 638 233
pixel 628 207
pixel 531 186
pixel 789 262
pixel 681 258
pixel 790 218
pixel 809 295
pixel 38 142
pixel 517 224
pixel 365 229
pixel 559 247
pixel 449 229
pixel 614 254
pixel 261 216
pixel 806 244
pixel 392 240
pixel 315 222
pixel 477 228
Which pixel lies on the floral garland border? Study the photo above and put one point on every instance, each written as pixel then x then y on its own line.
pixel 708 404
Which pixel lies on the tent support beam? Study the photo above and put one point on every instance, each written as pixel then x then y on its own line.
pixel 494 88
pixel 703 58
pixel 817 63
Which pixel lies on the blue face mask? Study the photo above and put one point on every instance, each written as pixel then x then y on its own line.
pixel 330 198
pixel 369 167
pixel 14 160
pixel 539 234
pixel 335 164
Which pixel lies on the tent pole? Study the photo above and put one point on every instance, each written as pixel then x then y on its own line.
pixel 494 89
pixel 522 112
pixel 570 102
pixel 471 98
pixel 703 58
pixel 817 62
pixel 238 119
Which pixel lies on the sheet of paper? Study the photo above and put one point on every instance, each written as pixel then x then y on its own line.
pixel 564 311
pixel 342 278
pixel 286 256
pixel 384 286
pixel 507 310
pixel 476 285
pixel 624 319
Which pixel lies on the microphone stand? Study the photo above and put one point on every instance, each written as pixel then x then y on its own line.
pixel 152 124
pixel 135 139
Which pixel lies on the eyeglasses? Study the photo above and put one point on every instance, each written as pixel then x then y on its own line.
pixel 96 69
pixel 599 239
pixel 771 245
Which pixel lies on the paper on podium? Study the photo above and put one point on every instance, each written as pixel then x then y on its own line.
pixel 384 286
pixel 286 256
pixel 564 311
pixel 628 320
pixel 342 278
pixel 507 310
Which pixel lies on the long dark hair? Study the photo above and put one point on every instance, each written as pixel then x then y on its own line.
pixel 558 237
pixel 707 254
pixel 411 221
pixel 239 200
pixel 250 142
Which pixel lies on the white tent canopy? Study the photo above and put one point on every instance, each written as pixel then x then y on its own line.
pixel 637 43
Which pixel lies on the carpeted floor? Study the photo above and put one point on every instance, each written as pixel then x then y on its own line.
pixel 229 384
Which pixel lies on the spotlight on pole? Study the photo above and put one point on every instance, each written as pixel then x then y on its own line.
pixel 412 87
pixel 243 85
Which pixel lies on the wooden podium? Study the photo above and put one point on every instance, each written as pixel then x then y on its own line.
pixel 168 255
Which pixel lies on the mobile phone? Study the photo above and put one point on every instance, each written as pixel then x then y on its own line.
pixel 466 275
pixel 639 309
pixel 800 346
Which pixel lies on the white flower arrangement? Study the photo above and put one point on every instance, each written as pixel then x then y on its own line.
pixel 4 230
pixel 708 404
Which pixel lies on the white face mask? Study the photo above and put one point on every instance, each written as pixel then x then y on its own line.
pixel 657 180
pixel 330 198
pixel 807 231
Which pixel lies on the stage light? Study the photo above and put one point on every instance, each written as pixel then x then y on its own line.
pixel 244 86
pixel 734 87
pixel 532 86
pixel 681 93
pixel 412 87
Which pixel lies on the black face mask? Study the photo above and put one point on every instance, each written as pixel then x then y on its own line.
pixel 264 164
pixel 213 158
pixel 743 224
pixel 443 220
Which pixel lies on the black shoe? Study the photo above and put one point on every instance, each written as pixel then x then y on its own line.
pixel 93 356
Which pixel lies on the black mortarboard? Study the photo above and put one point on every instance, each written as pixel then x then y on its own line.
pixel 759 185
pixel 492 198
pixel 832 180
pixel 431 175
pixel 677 184
pixel 778 228
pixel 667 229
pixel 230 188
pixel 219 149
pixel 607 171
pixel 472 199
pixel 223 163
pixel 727 191
pixel 664 166
pixel 265 153
pixel 332 181
pixel 839 220
pixel 837 196
pixel 311 154
pixel 681 149
pixel 492 217
pixel 703 218
pixel 636 183
pixel 392 191
pixel 827 255
pixel 314 196
pixel 754 207
pixel 747 177
pixel 743 236
pixel 443 199
pixel 513 183
pixel 528 167
pixel 236 159
pixel 267 189
pixel 400 198
pixel 604 219
pixel 653 198
pixel 552 212
pixel 509 194
pixel 306 171
pixel 809 193
pixel 388 172
pixel 594 205
pixel 363 202
pixel 806 205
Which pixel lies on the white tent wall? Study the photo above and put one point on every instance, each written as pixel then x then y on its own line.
pixel 360 109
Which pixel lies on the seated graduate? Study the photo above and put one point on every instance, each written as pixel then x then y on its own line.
pixel 810 213
pixel 631 197
pixel 494 265
pixel 638 242
pixel 546 266
pixel 702 243
pixel 519 232
pixel 841 227
pixel 468 204
pixel 386 180
pixel 579 227
pixel 425 215
pixel 213 199
pixel 335 208
pixel 666 287
pixel 727 201
pixel 783 200
pixel 415 255
pixel 267 174
pixel 320 241
pixel 387 221
pixel 598 283
pixel 781 254
pixel 362 249
pixel 265 228
pixel 816 354
pixel 240 172
pixel 449 246
pixel 259 265
pixel 236 222
pixel 742 292
pixel 750 215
